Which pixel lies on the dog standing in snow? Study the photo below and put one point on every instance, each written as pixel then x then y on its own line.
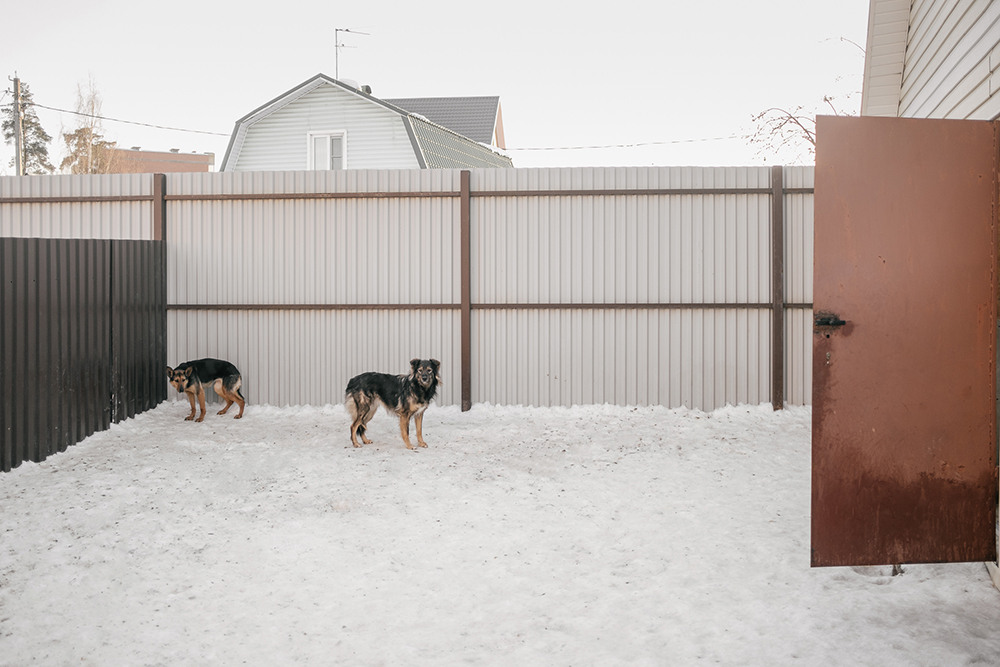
pixel 405 396
pixel 191 377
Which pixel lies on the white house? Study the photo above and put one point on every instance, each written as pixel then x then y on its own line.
pixel 324 123
pixel 933 59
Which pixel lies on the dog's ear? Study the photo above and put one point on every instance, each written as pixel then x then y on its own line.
pixel 414 365
pixel 170 372
pixel 188 371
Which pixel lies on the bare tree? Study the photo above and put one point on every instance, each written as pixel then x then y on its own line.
pixel 87 152
pixel 791 132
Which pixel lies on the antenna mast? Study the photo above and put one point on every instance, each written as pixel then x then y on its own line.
pixel 337 46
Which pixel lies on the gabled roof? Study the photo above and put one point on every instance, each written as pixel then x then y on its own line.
pixel 436 146
pixel 474 117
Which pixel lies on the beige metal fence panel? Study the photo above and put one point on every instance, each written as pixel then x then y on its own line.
pixel 604 252
pixel 305 357
pixel 580 294
pixel 322 285
pixel 798 284
pixel 119 206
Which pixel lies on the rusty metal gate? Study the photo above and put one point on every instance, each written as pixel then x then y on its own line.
pixel 904 345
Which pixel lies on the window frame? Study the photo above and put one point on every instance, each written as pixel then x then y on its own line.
pixel 329 134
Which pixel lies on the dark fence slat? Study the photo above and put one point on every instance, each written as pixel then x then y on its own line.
pixel 82 340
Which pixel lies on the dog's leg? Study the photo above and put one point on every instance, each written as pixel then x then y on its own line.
pixel 201 403
pixel 358 411
pixel 404 427
pixel 222 391
pixel 238 397
pixel 358 429
pixel 190 397
pixel 356 425
pixel 419 419
pixel 367 417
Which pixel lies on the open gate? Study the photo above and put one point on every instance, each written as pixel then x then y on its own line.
pixel 904 345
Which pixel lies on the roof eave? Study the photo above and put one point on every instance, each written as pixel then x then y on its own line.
pixel 888 25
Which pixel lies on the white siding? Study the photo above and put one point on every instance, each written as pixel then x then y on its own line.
pixel 376 137
pixel 951 68
pixel 884 57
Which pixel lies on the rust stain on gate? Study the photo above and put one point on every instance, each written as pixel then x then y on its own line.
pixel 904 372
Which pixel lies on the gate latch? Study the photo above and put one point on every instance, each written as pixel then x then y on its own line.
pixel 827 321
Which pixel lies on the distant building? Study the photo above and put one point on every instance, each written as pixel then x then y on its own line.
pixel 325 124
pixel 137 161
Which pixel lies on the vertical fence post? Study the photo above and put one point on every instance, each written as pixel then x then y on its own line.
pixel 466 270
pixel 159 207
pixel 777 288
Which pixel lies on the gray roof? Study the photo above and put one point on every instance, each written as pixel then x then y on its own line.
pixel 435 144
pixel 472 117
pixel 443 148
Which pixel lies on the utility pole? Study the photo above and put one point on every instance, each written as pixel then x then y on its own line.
pixel 18 130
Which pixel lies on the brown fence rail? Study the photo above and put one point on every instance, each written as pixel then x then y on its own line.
pixel 82 340
pixel 668 286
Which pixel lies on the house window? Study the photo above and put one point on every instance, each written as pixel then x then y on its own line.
pixel 327 151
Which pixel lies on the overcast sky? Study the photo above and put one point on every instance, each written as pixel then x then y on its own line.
pixel 679 77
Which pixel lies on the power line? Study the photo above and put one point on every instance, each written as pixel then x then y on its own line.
pixel 643 143
pixel 130 122
pixel 529 148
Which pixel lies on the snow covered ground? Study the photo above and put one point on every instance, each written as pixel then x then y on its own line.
pixel 522 536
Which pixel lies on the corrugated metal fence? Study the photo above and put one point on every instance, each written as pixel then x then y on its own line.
pixel 532 286
pixel 82 340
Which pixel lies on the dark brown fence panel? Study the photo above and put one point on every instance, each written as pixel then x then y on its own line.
pixel 82 340
pixel 139 307
pixel 54 369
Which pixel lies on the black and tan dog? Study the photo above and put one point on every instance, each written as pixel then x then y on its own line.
pixel 405 396
pixel 191 377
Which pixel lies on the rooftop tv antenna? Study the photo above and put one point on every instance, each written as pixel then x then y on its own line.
pixel 338 46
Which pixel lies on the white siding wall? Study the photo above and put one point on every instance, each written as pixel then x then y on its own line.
pixel 952 67
pixel 376 137
pixel 884 57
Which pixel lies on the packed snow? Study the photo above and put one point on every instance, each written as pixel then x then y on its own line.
pixel 593 535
